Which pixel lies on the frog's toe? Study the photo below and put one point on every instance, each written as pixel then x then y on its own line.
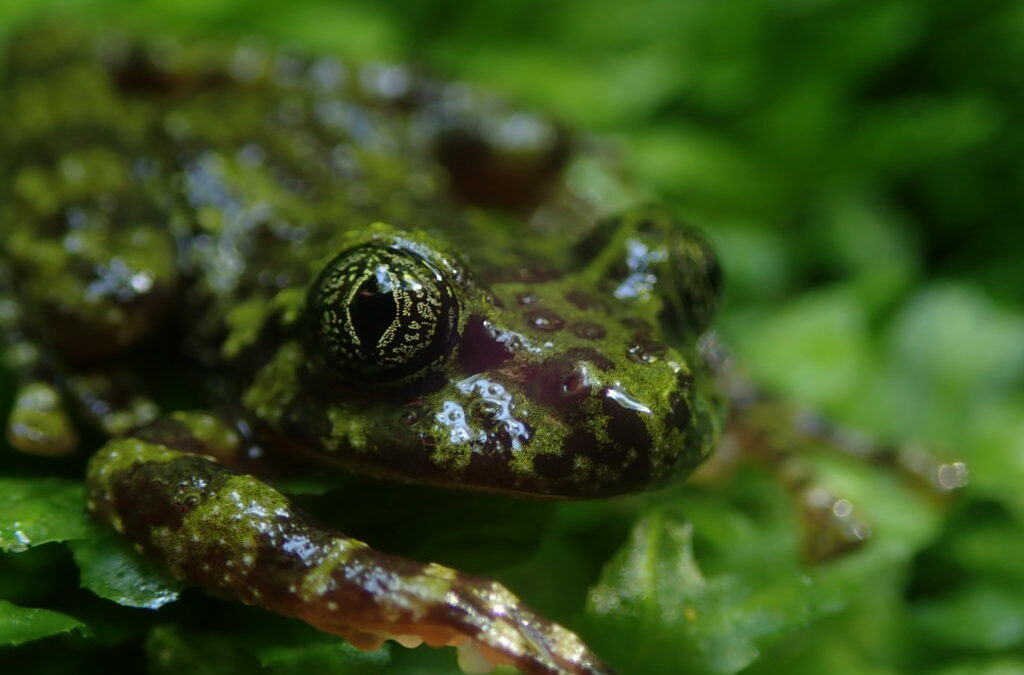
pixel 38 424
pixel 439 606
pixel 504 631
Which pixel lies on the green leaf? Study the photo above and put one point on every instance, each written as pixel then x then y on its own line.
pixel 29 577
pixel 24 624
pixel 814 349
pixel 1000 666
pixel 253 639
pixel 334 657
pixel 35 511
pixel 656 613
pixel 993 613
pixel 112 569
pixel 173 651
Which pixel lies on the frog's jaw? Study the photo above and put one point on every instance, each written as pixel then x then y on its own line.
pixel 554 416
pixel 568 425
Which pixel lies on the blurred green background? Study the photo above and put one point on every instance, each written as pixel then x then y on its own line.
pixel 860 166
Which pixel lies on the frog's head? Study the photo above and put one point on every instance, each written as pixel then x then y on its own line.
pixel 414 367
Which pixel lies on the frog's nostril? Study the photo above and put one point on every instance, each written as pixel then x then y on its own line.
pixel 574 384
pixel 559 382
pixel 587 302
pixel 592 356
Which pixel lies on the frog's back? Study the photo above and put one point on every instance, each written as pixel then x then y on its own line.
pixel 237 152
pixel 240 165
pixel 318 226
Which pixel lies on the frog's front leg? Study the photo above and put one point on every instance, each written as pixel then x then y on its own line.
pixel 231 533
pixel 785 436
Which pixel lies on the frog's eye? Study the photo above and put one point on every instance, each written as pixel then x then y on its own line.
pixel 383 313
pixel 692 282
pixel 653 254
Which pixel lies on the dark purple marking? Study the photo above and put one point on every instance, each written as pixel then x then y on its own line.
pixel 588 330
pixel 191 477
pixel 485 174
pixel 628 432
pixel 140 75
pixel 523 275
pixel 557 466
pixel 638 325
pixel 479 350
pixel 172 433
pixel 679 414
pixel 545 320
pixel 586 302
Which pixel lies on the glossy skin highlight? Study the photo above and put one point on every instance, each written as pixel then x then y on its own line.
pixel 323 238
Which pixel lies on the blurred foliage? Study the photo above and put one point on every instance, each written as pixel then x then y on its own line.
pixel 859 166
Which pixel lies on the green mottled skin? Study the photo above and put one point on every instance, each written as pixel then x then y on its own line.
pixel 212 187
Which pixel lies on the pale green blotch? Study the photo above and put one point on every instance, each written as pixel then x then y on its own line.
pixel 446 453
pixel 654 387
pixel 275 385
pixel 116 456
pixel 348 430
pixel 246 319
pixel 210 218
pixel 120 454
pixel 548 438
pixel 317 581
pixel 219 438
pixel 234 517
pixel 244 322
pixel 434 584
pixel 290 302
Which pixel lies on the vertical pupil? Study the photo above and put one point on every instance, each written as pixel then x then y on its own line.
pixel 382 313
pixel 373 310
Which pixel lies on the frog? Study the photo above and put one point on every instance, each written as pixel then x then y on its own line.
pixel 375 271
